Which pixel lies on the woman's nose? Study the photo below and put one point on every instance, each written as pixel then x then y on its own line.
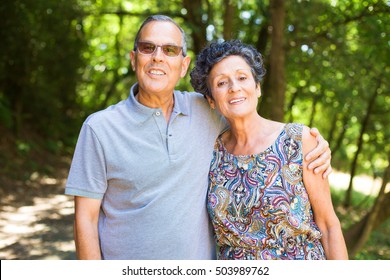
pixel 233 87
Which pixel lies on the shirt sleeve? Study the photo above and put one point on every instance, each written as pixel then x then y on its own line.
pixel 88 173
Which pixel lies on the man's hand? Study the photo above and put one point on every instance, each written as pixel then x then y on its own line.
pixel 320 157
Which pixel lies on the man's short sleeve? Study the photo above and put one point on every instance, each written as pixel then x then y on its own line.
pixel 87 176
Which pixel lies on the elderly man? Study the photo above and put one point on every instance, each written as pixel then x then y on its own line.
pixel 140 168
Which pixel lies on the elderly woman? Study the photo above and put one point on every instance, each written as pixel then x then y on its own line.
pixel 262 200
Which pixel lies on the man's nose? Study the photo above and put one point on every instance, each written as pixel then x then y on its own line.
pixel 158 54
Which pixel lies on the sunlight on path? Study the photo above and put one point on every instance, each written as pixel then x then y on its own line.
pixel 39 231
pixel 363 184
pixel 43 229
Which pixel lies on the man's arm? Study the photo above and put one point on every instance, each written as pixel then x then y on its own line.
pixel 320 156
pixel 86 228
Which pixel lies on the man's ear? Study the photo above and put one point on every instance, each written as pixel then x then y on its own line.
pixel 132 60
pixel 211 101
pixel 184 66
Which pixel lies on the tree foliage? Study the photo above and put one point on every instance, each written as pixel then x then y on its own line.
pixel 40 63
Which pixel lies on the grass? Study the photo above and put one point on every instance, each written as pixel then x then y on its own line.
pixel 378 244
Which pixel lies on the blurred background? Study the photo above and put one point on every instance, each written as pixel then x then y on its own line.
pixel 328 66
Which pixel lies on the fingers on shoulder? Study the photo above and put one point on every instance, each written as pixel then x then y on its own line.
pixel 309 142
pixel 314 131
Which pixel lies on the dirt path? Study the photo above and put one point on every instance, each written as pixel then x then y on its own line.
pixel 36 220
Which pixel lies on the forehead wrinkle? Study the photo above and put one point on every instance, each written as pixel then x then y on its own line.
pixel 156 34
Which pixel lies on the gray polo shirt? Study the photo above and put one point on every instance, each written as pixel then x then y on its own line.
pixel 151 177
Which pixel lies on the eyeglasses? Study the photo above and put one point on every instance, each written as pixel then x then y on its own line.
pixel 150 48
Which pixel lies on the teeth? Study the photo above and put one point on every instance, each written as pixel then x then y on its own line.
pixel 157 72
pixel 236 100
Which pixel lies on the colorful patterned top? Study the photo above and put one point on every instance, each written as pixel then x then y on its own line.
pixel 258 203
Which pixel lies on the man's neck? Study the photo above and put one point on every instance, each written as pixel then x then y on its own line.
pixel 166 103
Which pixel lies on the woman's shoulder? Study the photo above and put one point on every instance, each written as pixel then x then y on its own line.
pixel 298 131
pixel 301 132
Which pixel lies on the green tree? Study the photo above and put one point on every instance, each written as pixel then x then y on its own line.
pixel 39 63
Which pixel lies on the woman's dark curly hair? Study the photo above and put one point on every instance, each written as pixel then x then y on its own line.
pixel 216 52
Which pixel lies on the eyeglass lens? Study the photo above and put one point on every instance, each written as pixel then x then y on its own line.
pixel 150 48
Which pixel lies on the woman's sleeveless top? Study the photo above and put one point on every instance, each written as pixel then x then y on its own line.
pixel 258 203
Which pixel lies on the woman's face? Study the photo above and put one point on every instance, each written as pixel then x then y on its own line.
pixel 233 87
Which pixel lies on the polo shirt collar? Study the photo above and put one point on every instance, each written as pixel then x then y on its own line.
pixel 141 113
pixel 181 103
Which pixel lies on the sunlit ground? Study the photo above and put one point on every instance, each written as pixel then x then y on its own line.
pixel 36 222
pixel 41 230
pixel 365 190
pixel 363 184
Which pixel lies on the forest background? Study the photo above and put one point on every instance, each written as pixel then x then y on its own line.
pixel 327 66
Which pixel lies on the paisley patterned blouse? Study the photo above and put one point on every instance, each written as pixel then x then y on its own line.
pixel 258 203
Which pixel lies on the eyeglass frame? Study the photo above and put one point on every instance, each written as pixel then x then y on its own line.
pixel 161 47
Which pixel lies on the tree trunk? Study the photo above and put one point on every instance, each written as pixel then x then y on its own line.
pixel 348 197
pixel 14 92
pixel 332 129
pixel 316 98
pixel 357 235
pixel 273 92
pixel 228 19
pixel 291 105
pixel 340 138
pixel 196 24
pixel 263 38
pixel 263 33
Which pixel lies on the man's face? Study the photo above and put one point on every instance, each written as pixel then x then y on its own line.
pixel 158 73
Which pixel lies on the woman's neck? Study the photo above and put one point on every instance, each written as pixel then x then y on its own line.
pixel 251 135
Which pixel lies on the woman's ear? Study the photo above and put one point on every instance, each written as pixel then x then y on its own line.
pixel 211 101
pixel 258 90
